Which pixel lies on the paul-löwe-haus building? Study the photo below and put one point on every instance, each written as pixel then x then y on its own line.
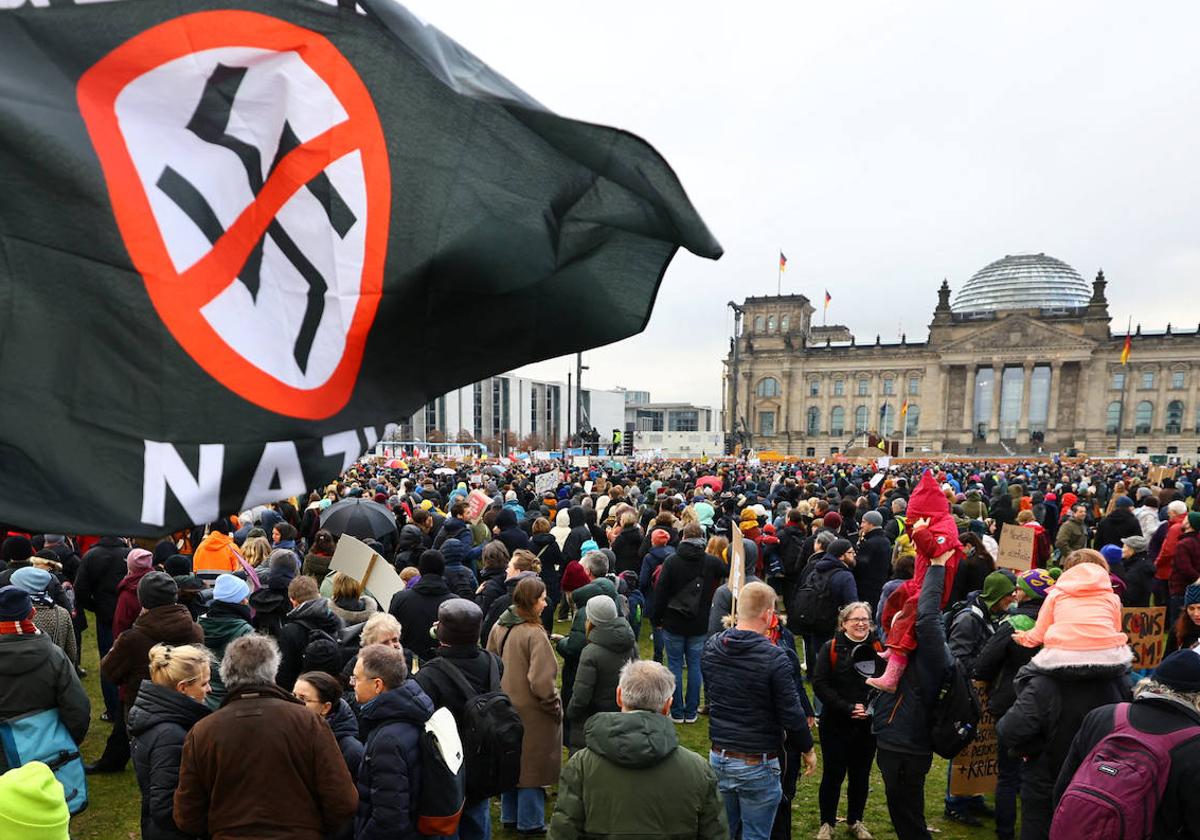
pixel 1024 360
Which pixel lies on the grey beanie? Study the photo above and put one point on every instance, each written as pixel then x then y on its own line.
pixel 874 517
pixel 601 609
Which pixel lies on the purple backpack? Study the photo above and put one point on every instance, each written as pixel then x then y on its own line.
pixel 1116 790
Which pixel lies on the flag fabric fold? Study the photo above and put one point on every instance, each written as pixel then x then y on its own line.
pixel 237 243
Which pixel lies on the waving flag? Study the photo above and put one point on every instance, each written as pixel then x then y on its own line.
pixel 1126 349
pixel 271 232
pixel 782 261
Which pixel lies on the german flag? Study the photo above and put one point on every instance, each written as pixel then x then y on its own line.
pixel 904 408
pixel 782 262
pixel 1126 349
pixel 827 298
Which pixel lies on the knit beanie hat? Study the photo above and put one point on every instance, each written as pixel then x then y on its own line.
pixel 139 559
pixel 1123 502
pixel 178 565
pixel 1194 520
pixel 832 520
pixel 601 609
pixel 977 526
pixel 1191 595
pixel 157 589
pixel 32 580
pixel 588 545
pixel 996 586
pixel 459 622
pixel 16 549
pixel 659 537
pixel 32 804
pixel 874 517
pixel 230 589
pixel 1035 583
pixel 1112 554
pixel 1180 671
pixel 14 604
pixel 1136 543
pixel 839 547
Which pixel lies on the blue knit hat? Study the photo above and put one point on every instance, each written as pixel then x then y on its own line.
pixel 230 589
pixel 1112 553
pixel 32 579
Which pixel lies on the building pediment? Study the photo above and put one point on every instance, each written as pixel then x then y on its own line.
pixel 1017 334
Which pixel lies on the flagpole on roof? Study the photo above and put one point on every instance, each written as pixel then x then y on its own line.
pixel 1124 383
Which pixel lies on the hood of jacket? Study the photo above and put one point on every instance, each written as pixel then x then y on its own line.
pixel 317 615
pixel 631 739
pixel 342 720
pixel 615 635
pixel 828 562
pixel 736 643
pixel 1084 579
pixel 562 519
pixel 690 550
pixel 506 518
pixel 431 584
pixel 171 624
pixel 1076 665
pixel 406 703
pixel 455 549
pixel 511 583
pixel 130 582
pixel 20 655
pixel 455 528
pixel 223 623
pixel 575 516
pixel 157 704
pixel 410 538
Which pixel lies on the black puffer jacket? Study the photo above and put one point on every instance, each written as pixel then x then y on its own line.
pixel 492 583
pixel 872 565
pixel 416 610
pixel 549 555
pixel 102 568
pixel 1001 659
pixel 1116 526
pixel 158 724
pixel 294 637
pixel 389 778
pixel 345 728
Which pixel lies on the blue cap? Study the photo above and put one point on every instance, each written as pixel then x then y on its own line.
pixel 1112 553
pixel 31 579
pixel 230 589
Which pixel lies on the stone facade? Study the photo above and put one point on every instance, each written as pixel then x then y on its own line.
pixel 996 382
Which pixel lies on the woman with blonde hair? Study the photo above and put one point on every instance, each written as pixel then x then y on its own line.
pixel 718 547
pixel 530 671
pixel 168 705
pixel 349 602
pixel 256 550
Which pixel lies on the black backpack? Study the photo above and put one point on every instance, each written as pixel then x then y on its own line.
pixel 956 713
pixel 491 732
pixel 685 603
pixel 813 609
pixel 321 653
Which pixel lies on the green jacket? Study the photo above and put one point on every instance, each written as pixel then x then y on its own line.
pixel 603 789
pixel 220 628
pixel 570 647
pixel 609 647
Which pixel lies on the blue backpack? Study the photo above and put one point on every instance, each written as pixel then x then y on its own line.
pixel 41 736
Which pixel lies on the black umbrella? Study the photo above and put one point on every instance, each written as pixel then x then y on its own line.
pixel 360 518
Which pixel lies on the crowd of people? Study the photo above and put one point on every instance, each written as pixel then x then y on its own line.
pixel 260 691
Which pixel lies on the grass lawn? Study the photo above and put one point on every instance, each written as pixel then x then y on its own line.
pixel 115 801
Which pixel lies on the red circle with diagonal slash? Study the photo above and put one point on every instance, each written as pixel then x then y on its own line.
pixel 179 296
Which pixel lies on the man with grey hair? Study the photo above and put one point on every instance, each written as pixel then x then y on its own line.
pixel 570 647
pixel 629 753
pixel 261 739
pixel 873 558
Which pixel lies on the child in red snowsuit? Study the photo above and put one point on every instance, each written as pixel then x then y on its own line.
pixel 934 532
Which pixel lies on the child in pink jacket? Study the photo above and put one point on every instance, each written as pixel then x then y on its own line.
pixel 1081 612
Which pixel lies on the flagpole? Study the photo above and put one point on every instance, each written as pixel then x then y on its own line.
pixel 779 279
pixel 1124 385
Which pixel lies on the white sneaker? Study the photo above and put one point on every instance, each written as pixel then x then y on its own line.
pixel 859 831
pixel 825 832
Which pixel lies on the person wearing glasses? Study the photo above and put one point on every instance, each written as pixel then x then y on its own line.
pixel 844 723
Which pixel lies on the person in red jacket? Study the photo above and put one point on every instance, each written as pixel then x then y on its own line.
pixel 1185 569
pixel 139 562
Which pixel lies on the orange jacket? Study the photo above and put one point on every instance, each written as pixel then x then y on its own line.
pixel 216 552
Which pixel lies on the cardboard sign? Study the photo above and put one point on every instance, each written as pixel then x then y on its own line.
pixel 477 503
pixel 355 558
pixel 1146 628
pixel 587 487
pixel 1016 548
pixel 546 482
pixel 875 479
pixel 582 461
pixel 1158 473
pixel 974 770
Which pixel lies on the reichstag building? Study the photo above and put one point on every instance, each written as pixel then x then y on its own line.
pixel 1023 360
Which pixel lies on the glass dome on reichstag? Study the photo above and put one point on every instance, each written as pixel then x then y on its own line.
pixel 1023 281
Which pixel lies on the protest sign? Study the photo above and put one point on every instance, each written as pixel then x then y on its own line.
pixel 546 482
pixel 356 559
pixel 737 570
pixel 974 770
pixel 581 461
pixel 1016 548
pixel 1146 628
pixel 477 503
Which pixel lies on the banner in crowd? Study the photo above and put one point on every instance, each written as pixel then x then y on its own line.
pixel 974 770
pixel 236 244
pixel 1146 628
pixel 1016 548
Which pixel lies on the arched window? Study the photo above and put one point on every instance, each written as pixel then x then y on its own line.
pixel 1143 417
pixel 887 419
pixel 770 323
pixel 768 386
pixel 1112 418
pixel 814 420
pixel 912 420
pixel 861 417
pixel 837 420
pixel 758 323
pixel 783 324
pixel 1174 423
pixel 889 385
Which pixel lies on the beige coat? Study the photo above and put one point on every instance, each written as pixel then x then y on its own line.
pixel 530 669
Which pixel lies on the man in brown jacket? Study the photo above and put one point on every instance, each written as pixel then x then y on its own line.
pixel 262 765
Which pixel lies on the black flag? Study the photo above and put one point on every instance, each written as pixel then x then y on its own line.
pixel 237 239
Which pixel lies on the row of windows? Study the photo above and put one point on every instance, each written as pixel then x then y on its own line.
pixel 888 416
pixel 769 387
pixel 1149 380
pixel 1143 418
pixel 768 324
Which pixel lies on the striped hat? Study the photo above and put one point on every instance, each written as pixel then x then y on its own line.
pixel 1035 583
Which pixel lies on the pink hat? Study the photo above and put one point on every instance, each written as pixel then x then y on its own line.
pixel 138 559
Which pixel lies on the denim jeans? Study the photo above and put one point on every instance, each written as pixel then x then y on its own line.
pixel 751 793
pixel 1008 784
pixel 681 649
pixel 476 822
pixel 104 643
pixel 524 806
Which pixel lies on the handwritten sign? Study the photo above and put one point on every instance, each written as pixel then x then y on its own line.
pixel 974 770
pixel 1158 473
pixel 1146 628
pixel 546 482
pixel 1016 548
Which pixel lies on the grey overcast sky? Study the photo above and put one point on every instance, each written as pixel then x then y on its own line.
pixel 881 146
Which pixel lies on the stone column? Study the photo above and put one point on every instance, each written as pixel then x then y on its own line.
pixel 1026 386
pixel 993 432
pixel 969 405
pixel 1052 408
